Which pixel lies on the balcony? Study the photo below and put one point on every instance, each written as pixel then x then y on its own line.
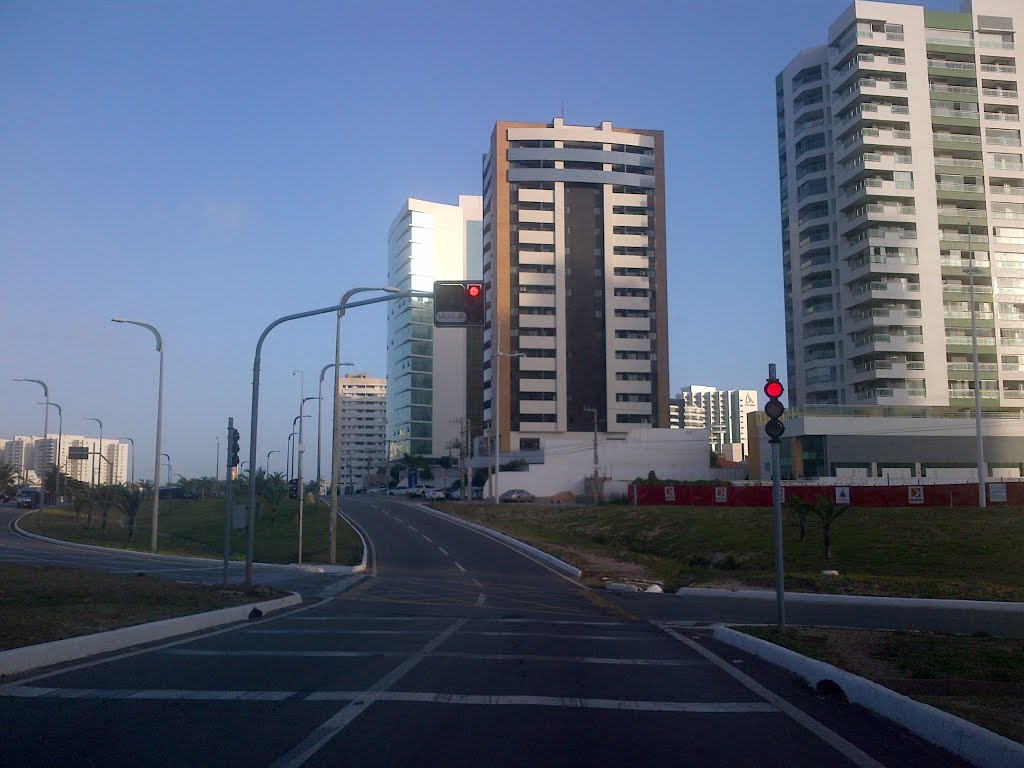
pixel 961 114
pixel 1013 394
pixel 961 237
pixel 956 42
pixel 1006 189
pixel 968 394
pixel 1010 117
pixel 961 89
pixel 999 93
pixel 1006 69
pixel 988 367
pixel 965 341
pixel 958 162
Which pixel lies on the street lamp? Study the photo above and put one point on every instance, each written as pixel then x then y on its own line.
pixel 133 458
pixel 168 468
pixel 60 439
pixel 97 475
pixel 319 422
pixel 268 461
pixel 980 444
pixel 216 467
pixel 302 449
pixel 496 405
pixel 336 425
pixel 159 423
pixel 46 415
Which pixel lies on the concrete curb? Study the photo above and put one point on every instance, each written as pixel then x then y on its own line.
pixel 310 568
pixel 30 657
pixel 891 602
pixel 971 742
pixel 544 557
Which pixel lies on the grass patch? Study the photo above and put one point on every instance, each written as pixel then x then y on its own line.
pixel 196 529
pixel 911 552
pixel 978 678
pixel 41 603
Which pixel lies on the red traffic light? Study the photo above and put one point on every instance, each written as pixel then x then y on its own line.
pixel 774 388
pixel 473 291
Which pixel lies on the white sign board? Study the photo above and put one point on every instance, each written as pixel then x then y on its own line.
pixel 721 494
pixel 447 316
pixel 842 494
pixel 670 493
pixel 915 494
pixel 997 493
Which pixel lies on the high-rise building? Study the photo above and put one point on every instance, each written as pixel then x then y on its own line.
pixel 30 456
pixel 900 169
pixel 434 374
pixel 575 267
pixel 363 421
pixel 721 411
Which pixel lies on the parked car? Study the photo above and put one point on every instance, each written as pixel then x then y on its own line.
pixel 417 493
pixel 516 496
pixel 436 494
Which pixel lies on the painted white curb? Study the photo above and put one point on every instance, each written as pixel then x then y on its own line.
pixel 891 602
pixel 973 743
pixel 19 660
pixel 544 557
pixel 341 569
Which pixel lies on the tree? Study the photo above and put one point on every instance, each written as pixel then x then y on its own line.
pixel 78 492
pixel 146 486
pixel 827 511
pixel 128 500
pixel 7 476
pixel 801 509
pixel 275 491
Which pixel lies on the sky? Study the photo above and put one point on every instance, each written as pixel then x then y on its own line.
pixel 209 167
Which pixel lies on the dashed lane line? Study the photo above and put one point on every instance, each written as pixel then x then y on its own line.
pixel 443 551
pixel 459 565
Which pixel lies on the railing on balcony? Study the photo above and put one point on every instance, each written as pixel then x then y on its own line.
pixel 936 40
pixel 961 113
pixel 970 366
pixel 962 138
pixel 945 64
pixel 999 93
pixel 952 186
pixel 1006 189
pixel 969 213
pixel 986 394
pixel 959 162
pixel 943 88
pixel 983 341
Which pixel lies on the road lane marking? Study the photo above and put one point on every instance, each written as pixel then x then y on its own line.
pixel 427 538
pixel 459 565
pixel 411 528
pixel 336 631
pixel 477 584
pixel 376 618
pixel 546 621
pixel 443 551
pixel 629 638
pixel 727 707
pixel 833 739
pixel 571 659
pixel 360 700
pixel 314 654
pixel 334 725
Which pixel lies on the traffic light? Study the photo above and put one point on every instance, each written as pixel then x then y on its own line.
pixel 233 447
pixel 459 303
pixel 774 410
pixel 293 488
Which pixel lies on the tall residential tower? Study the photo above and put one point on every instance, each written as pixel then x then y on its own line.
pixel 575 267
pixel 900 168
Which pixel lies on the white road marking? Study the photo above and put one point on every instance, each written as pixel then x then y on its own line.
pixel 833 739
pixel 427 538
pixel 545 621
pixel 443 551
pixel 629 638
pixel 334 725
pixel 336 631
pixel 555 701
pixel 477 584
pixel 327 654
pixel 459 565
pixel 411 528
pixel 572 659
pixel 360 700
pixel 375 618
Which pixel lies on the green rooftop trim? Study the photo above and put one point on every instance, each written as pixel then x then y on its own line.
pixel 948 20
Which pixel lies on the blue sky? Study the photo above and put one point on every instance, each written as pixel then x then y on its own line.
pixel 207 167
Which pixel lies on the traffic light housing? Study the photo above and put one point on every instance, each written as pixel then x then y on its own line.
pixel 233 447
pixel 459 303
pixel 293 488
pixel 773 410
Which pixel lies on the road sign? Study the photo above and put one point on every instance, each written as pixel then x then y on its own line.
pixel 459 303
pixel 75 452
pixel 721 494
pixel 670 493
pixel 842 494
pixel 915 494
pixel 997 493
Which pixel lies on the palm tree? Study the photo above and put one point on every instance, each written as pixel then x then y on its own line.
pixel 128 501
pixel 275 491
pixel 7 476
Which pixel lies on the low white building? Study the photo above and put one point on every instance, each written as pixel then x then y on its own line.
pixel 724 415
pixel 566 463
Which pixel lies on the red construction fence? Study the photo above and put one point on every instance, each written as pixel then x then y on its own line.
pixel 950 495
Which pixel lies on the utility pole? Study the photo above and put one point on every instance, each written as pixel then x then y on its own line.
pixel 227 498
pixel 594 489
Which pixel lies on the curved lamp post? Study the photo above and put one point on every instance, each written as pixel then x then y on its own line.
pixel 60 440
pixel 159 421
pixel 97 475
pixel 46 411
pixel 319 423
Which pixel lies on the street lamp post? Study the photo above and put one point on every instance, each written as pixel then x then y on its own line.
pixel 60 440
pixel 216 467
pixel 159 424
pixel 268 461
pixel 46 419
pixel 495 408
pixel 979 441
pixel 302 449
pixel 168 468
pixel 319 423
pixel 133 458
pixel 336 424
pixel 96 476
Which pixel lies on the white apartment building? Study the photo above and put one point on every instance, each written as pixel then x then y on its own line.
pixel 363 424
pixel 30 456
pixel 723 412
pixel 434 374
pixel 574 264
pixel 900 166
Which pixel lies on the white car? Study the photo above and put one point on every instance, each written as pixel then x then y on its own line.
pixel 435 494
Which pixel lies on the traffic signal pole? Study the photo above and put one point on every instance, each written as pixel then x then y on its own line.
pixel 774 389
pixel 227 502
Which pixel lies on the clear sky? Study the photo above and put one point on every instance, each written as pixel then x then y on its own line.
pixel 208 167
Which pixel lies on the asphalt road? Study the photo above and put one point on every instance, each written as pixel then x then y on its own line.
pixel 456 651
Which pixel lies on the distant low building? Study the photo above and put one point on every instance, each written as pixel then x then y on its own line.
pixel 723 412
pixel 30 456
pixel 903 443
